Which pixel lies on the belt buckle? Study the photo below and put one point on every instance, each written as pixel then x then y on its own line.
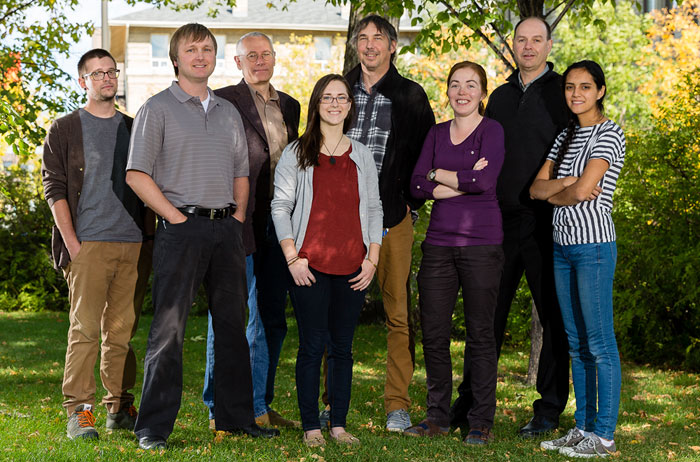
pixel 212 213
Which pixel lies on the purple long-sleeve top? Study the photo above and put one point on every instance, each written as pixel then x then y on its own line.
pixel 473 218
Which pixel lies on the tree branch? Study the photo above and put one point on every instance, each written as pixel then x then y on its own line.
pixel 481 35
pixel 501 37
pixel 568 6
pixel 19 7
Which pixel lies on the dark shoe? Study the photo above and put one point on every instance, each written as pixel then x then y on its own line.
pixel 538 426
pixel 426 428
pixel 152 442
pixel 255 431
pixel 81 423
pixel 479 436
pixel 124 419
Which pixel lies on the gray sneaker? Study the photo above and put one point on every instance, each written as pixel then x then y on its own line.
pixel 572 438
pixel 398 420
pixel 325 418
pixel 81 424
pixel 590 446
pixel 124 419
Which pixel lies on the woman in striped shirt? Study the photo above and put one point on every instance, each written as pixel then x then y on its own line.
pixel 579 178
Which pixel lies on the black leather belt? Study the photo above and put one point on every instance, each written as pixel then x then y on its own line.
pixel 212 214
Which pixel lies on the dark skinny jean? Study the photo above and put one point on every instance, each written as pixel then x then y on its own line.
pixel 327 313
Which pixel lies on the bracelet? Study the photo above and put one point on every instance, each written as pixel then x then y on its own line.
pixel 291 261
pixel 373 264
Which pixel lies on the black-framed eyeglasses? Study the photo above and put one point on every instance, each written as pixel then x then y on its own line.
pixel 100 75
pixel 253 56
pixel 341 99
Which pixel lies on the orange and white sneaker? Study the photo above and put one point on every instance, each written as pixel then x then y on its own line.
pixel 81 424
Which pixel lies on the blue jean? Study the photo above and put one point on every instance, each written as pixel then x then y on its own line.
pixel 259 360
pixel 584 280
pixel 327 313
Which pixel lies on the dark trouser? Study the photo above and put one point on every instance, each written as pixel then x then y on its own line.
pixel 185 255
pixel 527 246
pixel 327 314
pixel 273 283
pixel 477 269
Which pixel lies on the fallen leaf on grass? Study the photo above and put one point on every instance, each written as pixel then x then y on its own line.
pixel 695 448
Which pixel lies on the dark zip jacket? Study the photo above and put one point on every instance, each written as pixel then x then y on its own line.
pixel 411 119
pixel 531 121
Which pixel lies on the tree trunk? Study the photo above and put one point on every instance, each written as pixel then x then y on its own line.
pixel 529 8
pixel 535 347
pixel 356 14
pixel 351 59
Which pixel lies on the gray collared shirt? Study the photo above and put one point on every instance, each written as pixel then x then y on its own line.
pixel 524 87
pixel 192 155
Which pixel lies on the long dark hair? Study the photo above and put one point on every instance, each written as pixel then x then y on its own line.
pixel 309 146
pixel 598 75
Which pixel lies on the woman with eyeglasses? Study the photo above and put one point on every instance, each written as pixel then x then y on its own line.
pixel 458 168
pixel 579 178
pixel 328 218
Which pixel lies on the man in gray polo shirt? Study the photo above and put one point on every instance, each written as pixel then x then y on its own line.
pixel 189 162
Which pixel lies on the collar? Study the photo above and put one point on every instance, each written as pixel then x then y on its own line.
pixel 515 79
pixel 524 86
pixel 274 96
pixel 182 96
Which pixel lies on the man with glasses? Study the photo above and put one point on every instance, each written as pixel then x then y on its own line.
pixel 96 242
pixel 271 120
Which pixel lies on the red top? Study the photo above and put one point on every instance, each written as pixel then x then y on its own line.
pixel 333 241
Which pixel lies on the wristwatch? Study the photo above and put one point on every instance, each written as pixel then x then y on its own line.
pixel 431 175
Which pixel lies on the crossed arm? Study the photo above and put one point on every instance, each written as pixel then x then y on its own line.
pixel 569 190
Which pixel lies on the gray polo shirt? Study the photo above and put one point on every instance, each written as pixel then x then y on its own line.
pixel 192 155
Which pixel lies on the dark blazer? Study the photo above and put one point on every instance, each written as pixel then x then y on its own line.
pixel 254 229
pixel 62 171
pixel 411 119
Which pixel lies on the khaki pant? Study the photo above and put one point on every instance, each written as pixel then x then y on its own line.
pixel 101 283
pixel 393 271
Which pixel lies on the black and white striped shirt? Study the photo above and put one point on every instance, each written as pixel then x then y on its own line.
pixel 589 222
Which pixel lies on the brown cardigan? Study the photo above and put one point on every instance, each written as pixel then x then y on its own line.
pixel 62 171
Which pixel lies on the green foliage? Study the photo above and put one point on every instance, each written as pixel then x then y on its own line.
pixel 458 24
pixel 33 36
pixel 657 298
pixel 616 48
pixel 28 281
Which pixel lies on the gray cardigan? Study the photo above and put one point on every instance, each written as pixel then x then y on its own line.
pixel 294 192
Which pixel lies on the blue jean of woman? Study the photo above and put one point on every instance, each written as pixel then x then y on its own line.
pixel 327 313
pixel 584 280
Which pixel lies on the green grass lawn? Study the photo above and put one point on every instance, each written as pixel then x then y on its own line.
pixel 659 415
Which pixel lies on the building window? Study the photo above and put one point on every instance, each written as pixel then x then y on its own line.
pixel 322 47
pixel 159 51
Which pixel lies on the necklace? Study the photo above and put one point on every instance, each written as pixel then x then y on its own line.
pixel 332 159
